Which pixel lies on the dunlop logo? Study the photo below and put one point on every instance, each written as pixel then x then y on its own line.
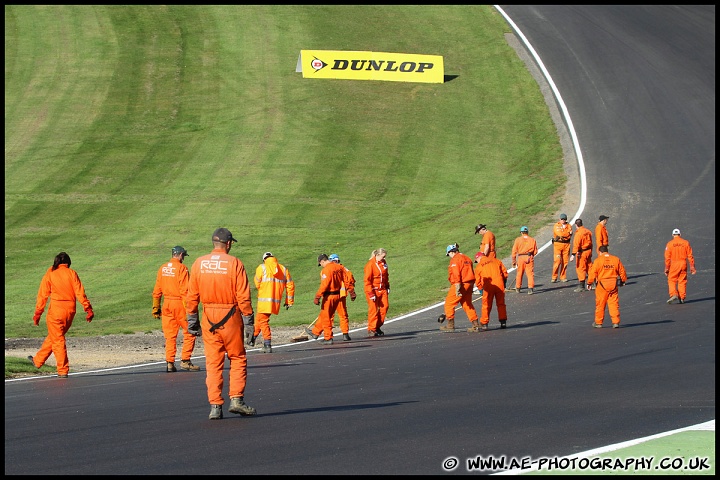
pixel 397 67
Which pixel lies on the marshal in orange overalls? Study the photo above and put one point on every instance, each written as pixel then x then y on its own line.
pixel 376 283
pixel 63 287
pixel 678 253
pixel 606 270
pixel 523 257
pixel 491 277
pixel 328 297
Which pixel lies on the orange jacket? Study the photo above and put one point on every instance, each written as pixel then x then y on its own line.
pixel 219 278
pixel 271 280
pixel 562 232
pixel 678 250
pixel 331 279
pixel 487 244
pixel 348 282
pixel 606 269
pixel 460 269
pixel 601 235
pixel 375 276
pixel 172 281
pixel 582 241
pixel 524 244
pixel 490 272
pixel 61 285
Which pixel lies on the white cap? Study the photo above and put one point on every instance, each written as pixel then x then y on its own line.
pixel 676 231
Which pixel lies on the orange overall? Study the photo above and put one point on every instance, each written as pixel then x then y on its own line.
pixel 331 280
pixel 678 253
pixel 220 282
pixel 601 236
pixel 605 270
pixel 491 277
pixel 523 257
pixel 487 245
pixel 462 279
pixel 348 287
pixel 582 249
pixel 272 279
pixel 376 283
pixel 171 283
pixel 561 249
pixel 64 288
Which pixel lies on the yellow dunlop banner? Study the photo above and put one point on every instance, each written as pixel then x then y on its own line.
pixel 391 67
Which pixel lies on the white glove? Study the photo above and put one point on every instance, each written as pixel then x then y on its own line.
pixel 572 257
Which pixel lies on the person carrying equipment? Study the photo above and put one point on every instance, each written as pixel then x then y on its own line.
pixel 462 279
pixel 171 284
pixel 523 257
pixel 678 253
pixel 63 287
pixel 348 288
pixel 271 280
pixel 491 276
pixel 606 271
pixel 582 253
pixel 220 282
pixel 376 284
pixel 562 231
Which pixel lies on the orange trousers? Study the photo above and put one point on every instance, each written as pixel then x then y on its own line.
pixel 59 319
pixel 561 258
pixel 491 293
pixel 465 300
pixel 611 299
pixel 174 318
pixel 677 279
pixel 327 312
pixel 527 269
pixel 226 340
pixel 343 315
pixel 262 325
pixel 377 309
pixel 583 260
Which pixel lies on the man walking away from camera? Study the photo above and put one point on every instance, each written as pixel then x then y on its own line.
pixel 678 253
pixel 171 287
pixel 219 281
pixel 607 270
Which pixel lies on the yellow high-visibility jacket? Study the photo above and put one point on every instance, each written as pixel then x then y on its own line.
pixel 271 280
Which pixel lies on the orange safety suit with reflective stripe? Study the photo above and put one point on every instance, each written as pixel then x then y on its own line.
pixel 523 257
pixel 342 311
pixel 220 281
pixel 678 253
pixel 460 273
pixel 272 279
pixel 582 249
pixel 605 271
pixel 561 249
pixel 171 283
pixel 331 280
pixel 376 283
pixel 601 236
pixel 64 289
pixel 491 277
pixel 487 245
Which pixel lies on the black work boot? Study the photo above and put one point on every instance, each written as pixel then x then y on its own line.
pixel 328 341
pixel 503 323
pixel 238 405
pixel 379 332
pixel 346 337
pixel 581 287
pixel 267 347
pixel 251 341
pixel 216 412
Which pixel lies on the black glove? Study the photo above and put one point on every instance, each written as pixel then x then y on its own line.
pixel 249 319
pixel 194 324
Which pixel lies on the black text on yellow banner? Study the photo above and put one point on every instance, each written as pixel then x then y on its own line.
pixel 391 67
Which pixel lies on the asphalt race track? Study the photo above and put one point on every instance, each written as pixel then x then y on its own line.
pixel 639 86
